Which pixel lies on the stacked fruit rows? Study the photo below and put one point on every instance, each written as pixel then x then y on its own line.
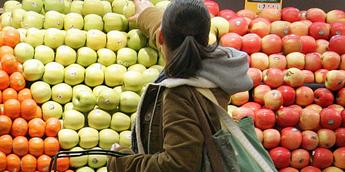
pixel 80 62
pixel 297 63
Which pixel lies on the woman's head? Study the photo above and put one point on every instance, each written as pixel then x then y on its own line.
pixel 185 31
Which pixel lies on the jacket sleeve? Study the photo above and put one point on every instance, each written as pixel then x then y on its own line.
pixel 149 22
pixel 183 140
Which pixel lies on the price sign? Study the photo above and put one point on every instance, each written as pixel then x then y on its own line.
pixel 258 5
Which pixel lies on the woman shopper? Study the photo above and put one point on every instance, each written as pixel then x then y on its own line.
pixel 168 135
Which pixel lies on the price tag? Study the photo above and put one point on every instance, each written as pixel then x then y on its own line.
pixel 258 5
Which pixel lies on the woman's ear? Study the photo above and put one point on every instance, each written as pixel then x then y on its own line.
pixel 161 39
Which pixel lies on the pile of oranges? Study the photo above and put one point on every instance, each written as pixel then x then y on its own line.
pixel 27 142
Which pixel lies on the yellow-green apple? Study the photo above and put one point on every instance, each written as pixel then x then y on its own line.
pixel 62 93
pixel 316 15
pixel 125 139
pixel 53 19
pixel 96 39
pixel 233 40
pixel 294 77
pixel 22 34
pixel 133 118
pixel 94 75
pixel 107 7
pixel 54 38
pixel 147 57
pixel 326 137
pixel 322 158
pixel 339 159
pixel 335 80
pixel 86 56
pixel 277 61
pixel 32 19
pixel 93 21
pixel 51 109
pixel 299 158
pixel 106 57
pixel 33 70
pixel 74 74
pixel 120 122
pixel 114 21
pixel 76 7
pixel 88 137
pixel 6 19
pixel 273 100
pixel 240 98
pixel 97 90
pixel 75 38
pixel 313 62
pixel 129 101
pixel 41 92
pixel 291 138
pixel 125 7
pixel 308 44
pixel 271 138
pixel 304 96
pixel 98 119
pixel 330 60
pixel 17 17
pixel 81 87
pixel 55 5
pixel 150 75
pixel 53 73
pixel 85 169
pixel 251 43
pixel 108 99
pixel 65 55
pixel 310 140
pixel 137 67
pixel 212 38
pixel 23 52
pixel 320 76
pixel 220 25
pixel 97 161
pixel 332 169
pixel 287 117
pixel 238 25
pixel 295 60
pixel 9 6
pixel 321 46
pixel 83 100
pixel 309 120
pixel 136 39
pixel 68 138
pixel 67 8
pixel 93 7
pixel 259 61
pixel 132 81
pixel 299 28
pixel 273 77
pixel 107 137
pixel 264 119
pixel 259 93
pixel 280 28
pixel 158 67
pixel 73 20
pixel 260 26
pixel 126 57
pixel 79 161
pixel 271 44
pixel 34 37
pixel 256 75
pixel 112 80
pixel 335 16
pixel 116 40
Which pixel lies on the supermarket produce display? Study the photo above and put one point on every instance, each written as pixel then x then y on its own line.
pixel 72 73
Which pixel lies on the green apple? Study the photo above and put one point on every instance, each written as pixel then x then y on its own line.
pixel 118 89
pixel 62 93
pixel 112 80
pixel 53 19
pixel 88 137
pixel 161 60
pixel 133 81
pixel 67 8
pixel 98 119
pixel 68 106
pixel 65 55
pixel 73 120
pixel 77 6
pixel 83 100
pixel 33 70
pixel 23 52
pixel 116 40
pixel 32 19
pixel 75 38
pixel 73 20
pixel 102 169
pixel 74 74
pixel 124 7
pixel 162 4
pixel 54 5
pixel 147 57
pixel 154 2
pixel 126 57
pixel 107 137
pixel 93 7
pixel 136 39
pixel 108 99
pixel 97 161
pixel 133 119
pixel 106 57
pixel 78 161
pixel 118 6
pixel 51 109
pixel 96 39
pixel 113 21
pixel 86 56
pixel 41 92
pixel 129 101
pixel 158 67
pixel 150 75
pixel 54 38
pixel 53 73
pixel 137 67
pixel 94 75
pixel 221 25
pixel 107 7
pixel 34 37
pixel 22 34
pixel 120 122
pixel 125 139
pixel 81 87
pixel 10 5
pixel 6 19
pixel 85 169
pixel 97 90
pixel 68 138
pixel 93 21
pixel 17 17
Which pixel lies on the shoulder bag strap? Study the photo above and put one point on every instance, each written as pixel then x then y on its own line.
pixel 233 128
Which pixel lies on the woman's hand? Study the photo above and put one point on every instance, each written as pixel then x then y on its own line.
pixel 140 6
pixel 118 148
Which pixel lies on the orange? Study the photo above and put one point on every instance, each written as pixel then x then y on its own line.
pixel 6 124
pixel 19 127
pixel 5 50
pixel 9 63
pixel 62 164
pixel 9 93
pixel 11 36
pixel 20 146
pixel 51 146
pixel 4 80
pixel 28 109
pixel 36 146
pixel 12 108
pixel 17 81
pixel 24 94
pixel 38 113
pixel 43 163
pixel 2 109
pixel 13 163
pixel 37 127
pixel 6 143
pixel 53 127
pixel 3 161
pixel 28 163
pixel 69 171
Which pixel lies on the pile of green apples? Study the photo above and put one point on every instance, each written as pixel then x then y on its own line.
pixel 86 64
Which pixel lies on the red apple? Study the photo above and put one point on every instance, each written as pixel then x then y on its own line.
pixel 271 14
pixel 335 16
pixel 338 28
pixel 304 96
pixel 310 169
pixel 259 134
pixel 342 62
pixel 313 62
pixel 316 15
pixel 280 28
pixel 271 138
pixel 337 44
pixel 340 137
pixel 299 28
pixel 321 46
pixel 314 107
pixel 273 77
pixel 335 80
pixel 260 26
pixel 233 40
pixel 256 75
pixel 253 106
pixel 330 119
pixel 238 25
pixel 320 30
pixel 240 98
pixel 291 43
pixel 299 158
pixel 288 94
pixel 251 43
pixel 288 169
pixel 330 60
pixel 277 61
pixel 343 117
pixel 271 44
pixel 259 92
pixel 280 156
pixel 291 138
pixel 323 97
pixel 294 77
pixel 310 140
pixel 287 117
pixel 291 14
pixel 295 60
pixel 320 76
pixel 227 14
pixel 264 119
pixel 213 7
pixel 326 138
pixel 322 158
pixel 259 61
pixel 308 76
pixel 308 44
pixel 247 13
pixel 242 112
pixel 309 119
pixel 341 97
pixel 336 107
pixel 273 100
